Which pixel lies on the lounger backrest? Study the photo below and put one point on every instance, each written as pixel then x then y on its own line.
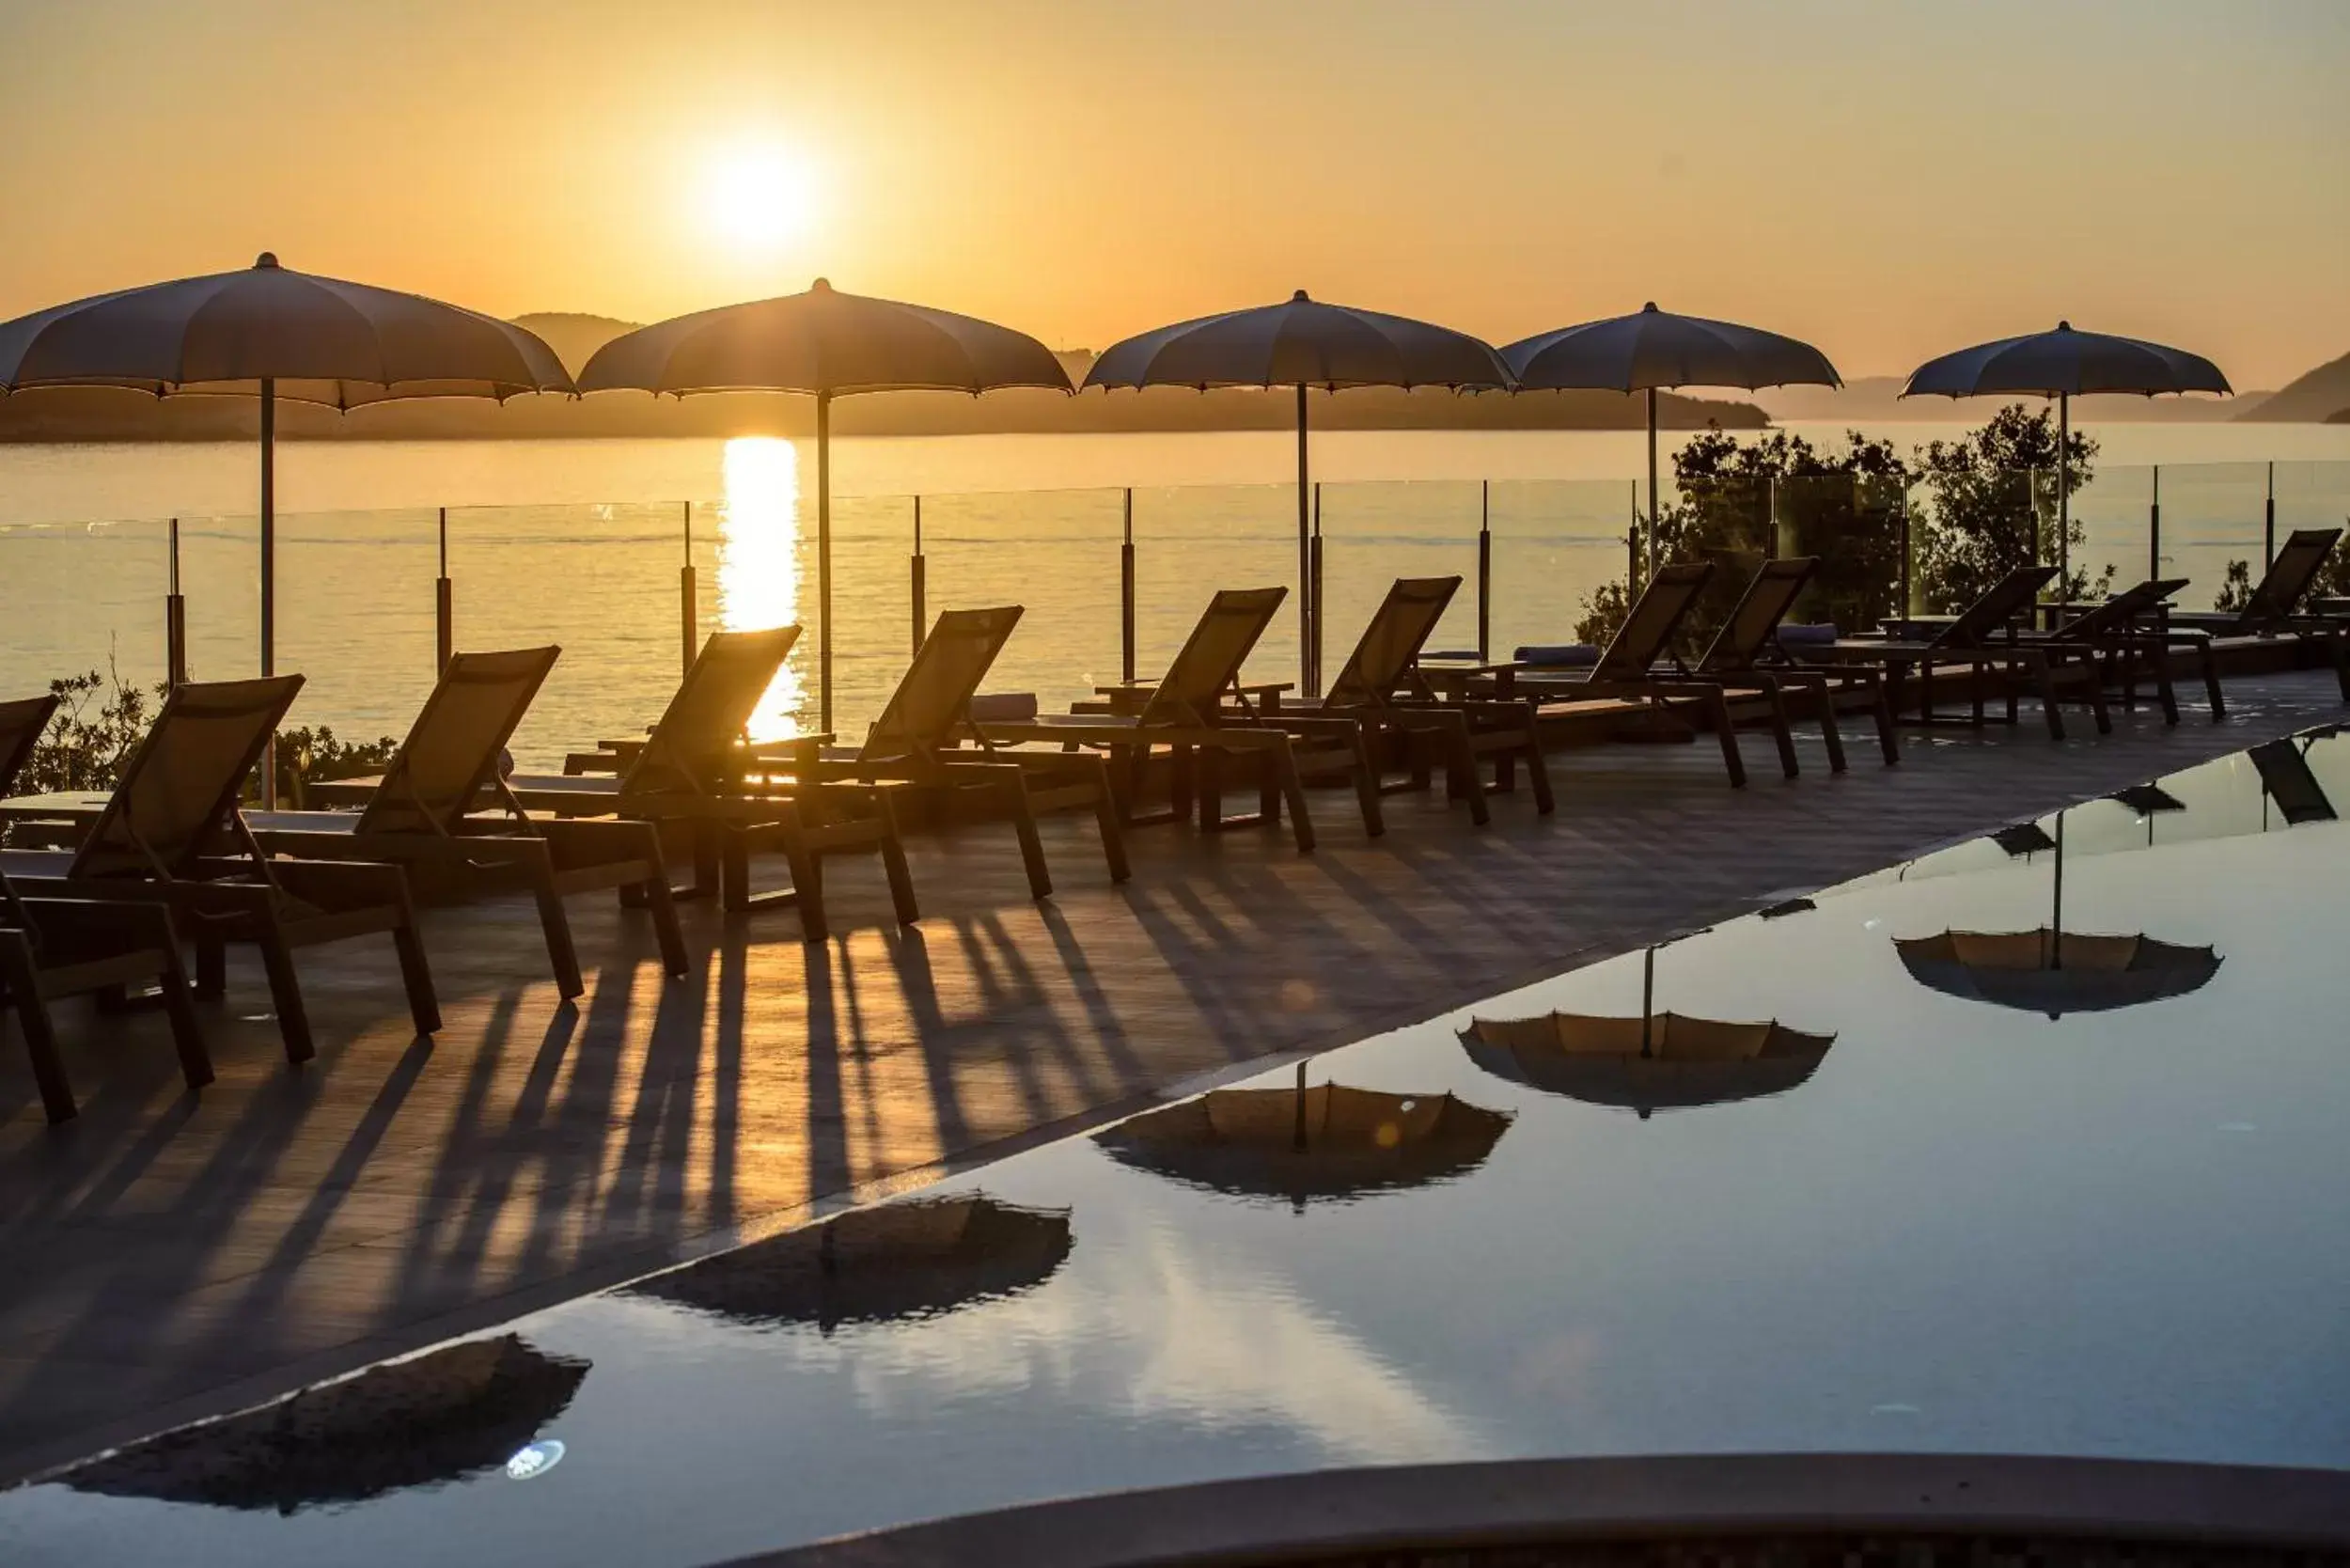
pixel 1648 632
pixel 1211 657
pixel 936 692
pixel 2285 775
pixel 2005 600
pixel 1747 635
pixel 2288 578
pixel 692 748
pixel 22 722
pixel 2119 610
pixel 183 782
pixel 1383 657
pixel 453 748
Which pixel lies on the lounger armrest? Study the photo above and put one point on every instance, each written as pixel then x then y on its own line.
pixel 84 927
pixel 341 884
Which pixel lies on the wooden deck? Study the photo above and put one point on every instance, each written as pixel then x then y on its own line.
pixel 169 1256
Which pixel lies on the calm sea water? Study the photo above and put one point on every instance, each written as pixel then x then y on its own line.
pixel 580 544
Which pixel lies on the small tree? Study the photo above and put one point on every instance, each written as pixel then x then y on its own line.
pixel 83 749
pixel 1985 494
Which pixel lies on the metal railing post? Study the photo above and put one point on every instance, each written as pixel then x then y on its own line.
pixel 1313 656
pixel 1126 593
pixel 689 620
pixel 444 607
pixel 918 571
pixel 2268 547
pixel 1484 569
pixel 1631 547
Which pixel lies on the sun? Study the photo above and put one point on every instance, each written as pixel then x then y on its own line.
pixel 760 199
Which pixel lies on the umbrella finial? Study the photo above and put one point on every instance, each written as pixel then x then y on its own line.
pixel 2064 327
pixel 267 259
pixel 822 286
pixel 1299 298
pixel 1649 309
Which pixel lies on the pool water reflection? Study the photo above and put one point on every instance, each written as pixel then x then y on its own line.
pixel 1816 1202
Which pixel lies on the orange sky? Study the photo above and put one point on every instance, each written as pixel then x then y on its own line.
pixel 1888 180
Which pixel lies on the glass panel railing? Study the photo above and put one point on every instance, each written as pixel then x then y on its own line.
pixel 1373 533
pixel 2109 520
pixel 1051 552
pixel 2213 513
pixel 2315 494
pixel 1967 529
pixel 83 598
pixel 1556 543
pixel 1193 539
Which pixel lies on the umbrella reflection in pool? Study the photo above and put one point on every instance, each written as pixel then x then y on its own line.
pixel 2052 970
pixel 454 1413
pixel 1299 1144
pixel 1655 1062
pixel 908 1260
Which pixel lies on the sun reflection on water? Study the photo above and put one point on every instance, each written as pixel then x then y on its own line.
pixel 759 563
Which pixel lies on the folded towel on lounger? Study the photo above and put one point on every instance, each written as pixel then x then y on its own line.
pixel 1565 655
pixel 1003 707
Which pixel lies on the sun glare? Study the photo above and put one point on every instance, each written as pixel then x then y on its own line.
pixel 760 199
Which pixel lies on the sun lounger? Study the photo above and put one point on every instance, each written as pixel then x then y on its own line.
pixel 919 740
pixel 22 722
pixel 2276 602
pixel 57 947
pixel 2131 628
pixel 694 774
pixel 1985 639
pixel 418 817
pixel 172 833
pixel 1380 692
pixel 1746 655
pixel 1187 714
pixel 1635 671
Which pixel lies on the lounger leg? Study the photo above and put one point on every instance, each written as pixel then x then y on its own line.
pixel 20 986
pixel 2341 663
pixel 555 922
pixel 808 880
pixel 1718 712
pixel 1112 827
pixel 1367 785
pixel 1460 764
pixel 211 963
pixel 2043 676
pixel 654 892
pixel 415 973
pixel 1284 762
pixel 1831 733
pixel 2211 682
pixel 893 854
pixel 2166 691
pixel 187 1030
pixel 2097 706
pixel 1537 771
pixel 1781 732
pixel 285 990
pixel 1016 789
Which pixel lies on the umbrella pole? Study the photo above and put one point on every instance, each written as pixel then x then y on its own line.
pixel 917 569
pixel 824 562
pixel 175 619
pixel 1652 505
pixel 1126 594
pixel 269 574
pixel 1315 555
pixel 1648 1000
pixel 2065 498
pixel 2055 914
pixel 1306 606
pixel 688 612
pixel 1484 569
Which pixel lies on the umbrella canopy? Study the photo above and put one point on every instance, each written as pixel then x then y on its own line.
pixel 2064 365
pixel 1666 1061
pixel 1652 349
pixel 270 332
pixel 454 1413
pixel 1296 1145
pixel 1301 342
pixel 907 1260
pixel 2056 972
pixel 826 344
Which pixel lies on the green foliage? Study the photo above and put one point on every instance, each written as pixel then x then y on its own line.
pixel 308 756
pixel 1987 496
pixel 84 750
pixel 1778 494
pixel 2236 594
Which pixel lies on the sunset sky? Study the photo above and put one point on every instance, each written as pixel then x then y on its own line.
pixel 1888 180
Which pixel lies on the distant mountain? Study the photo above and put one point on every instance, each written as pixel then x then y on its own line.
pixel 573 335
pixel 2339 416
pixel 2313 397
pixel 1877 401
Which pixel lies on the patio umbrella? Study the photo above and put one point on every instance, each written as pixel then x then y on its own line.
pixel 1301 342
pixel 2064 365
pixel 1296 1145
pixel 1655 349
pixel 907 1260
pixel 457 1412
pixel 826 344
pixel 1656 1062
pixel 2052 970
pixel 270 332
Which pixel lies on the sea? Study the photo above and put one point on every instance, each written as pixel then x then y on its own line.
pixel 581 544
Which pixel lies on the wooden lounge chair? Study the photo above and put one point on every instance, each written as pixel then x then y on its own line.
pixel 1186 713
pixel 172 833
pixel 416 817
pixel 57 947
pixel 1746 653
pixel 1382 693
pixel 2130 630
pixel 22 722
pixel 919 741
pixel 2277 607
pixel 1636 670
pixel 692 774
pixel 1985 639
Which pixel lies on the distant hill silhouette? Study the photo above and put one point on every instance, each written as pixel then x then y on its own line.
pixel 99 415
pixel 2316 396
pixel 1877 400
